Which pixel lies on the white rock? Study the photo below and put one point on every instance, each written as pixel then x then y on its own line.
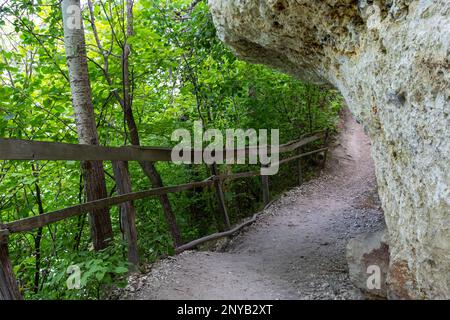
pixel 390 60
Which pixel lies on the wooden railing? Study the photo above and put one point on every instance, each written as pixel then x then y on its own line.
pixel 12 149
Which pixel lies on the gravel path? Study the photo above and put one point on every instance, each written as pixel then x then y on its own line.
pixel 296 249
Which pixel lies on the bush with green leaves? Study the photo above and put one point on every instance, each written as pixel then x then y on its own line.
pixel 99 272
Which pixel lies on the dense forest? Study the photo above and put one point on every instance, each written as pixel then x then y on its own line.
pixel 154 66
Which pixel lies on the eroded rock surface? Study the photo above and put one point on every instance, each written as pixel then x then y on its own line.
pixel 390 60
pixel 368 263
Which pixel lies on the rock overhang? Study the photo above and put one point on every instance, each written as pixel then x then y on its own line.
pixel 390 60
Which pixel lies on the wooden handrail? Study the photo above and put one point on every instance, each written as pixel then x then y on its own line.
pixel 299 156
pixel 14 149
pixel 293 145
pixel 35 222
pixel 31 223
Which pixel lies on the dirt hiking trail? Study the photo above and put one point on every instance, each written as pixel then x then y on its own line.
pixel 295 250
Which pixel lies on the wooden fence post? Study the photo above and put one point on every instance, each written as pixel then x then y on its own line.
pixel 265 188
pixel 127 210
pixel 9 289
pixel 220 196
pixel 325 144
pixel 299 167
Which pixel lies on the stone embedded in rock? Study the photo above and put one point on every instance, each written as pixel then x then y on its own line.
pixel 390 60
pixel 368 258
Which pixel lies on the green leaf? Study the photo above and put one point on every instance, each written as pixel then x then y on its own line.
pixel 120 270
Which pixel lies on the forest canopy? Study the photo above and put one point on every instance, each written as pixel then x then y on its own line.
pixel 153 67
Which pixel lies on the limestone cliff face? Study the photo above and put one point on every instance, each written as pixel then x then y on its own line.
pixel 390 60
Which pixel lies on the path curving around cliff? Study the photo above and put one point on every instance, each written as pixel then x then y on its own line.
pixel 296 249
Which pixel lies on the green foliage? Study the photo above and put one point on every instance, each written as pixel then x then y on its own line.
pixel 99 271
pixel 180 73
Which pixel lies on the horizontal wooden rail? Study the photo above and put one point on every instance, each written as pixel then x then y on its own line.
pixel 42 220
pixel 293 145
pixel 299 156
pixel 14 149
pixel 39 221
pixel 32 223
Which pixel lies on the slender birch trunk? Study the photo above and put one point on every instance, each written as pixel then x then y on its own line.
pixel 95 186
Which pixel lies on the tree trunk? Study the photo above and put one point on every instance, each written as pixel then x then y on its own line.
pixel 37 239
pixel 151 172
pixel 198 210
pixel 127 211
pixel 148 167
pixel 225 223
pixel 94 176
pixel 9 290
